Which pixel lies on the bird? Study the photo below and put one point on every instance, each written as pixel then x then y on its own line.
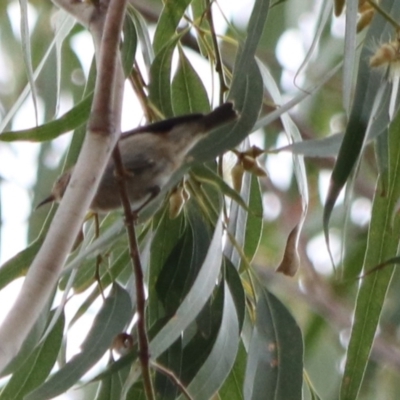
pixel 150 155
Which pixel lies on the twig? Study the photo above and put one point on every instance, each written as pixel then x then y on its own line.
pixel 168 373
pixel 384 14
pixel 144 354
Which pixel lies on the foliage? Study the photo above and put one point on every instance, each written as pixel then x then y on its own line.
pixel 222 323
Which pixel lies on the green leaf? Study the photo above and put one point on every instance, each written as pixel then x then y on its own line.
pixel 160 78
pixel 72 119
pixel 204 174
pixel 37 365
pixel 367 89
pixel 199 9
pixel 325 147
pixel 254 223
pixel 382 245
pixel 195 299
pixel 65 25
pixel 113 316
pixel 167 234
pixel 247 96
pixel 182 266
pixel 17 266
pixel 143 36
pixel 275 356
pixel 26 52
pixel 110 387
pixel 246 91
pixel 245 227
pixel 188 92
pixel 236 287
pixel 350 47
pixel 129 45
pixel 172 360
pixel 233 385
pixel 220 361
pixel 169 19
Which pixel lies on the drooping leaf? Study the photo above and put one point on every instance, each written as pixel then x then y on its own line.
pixel 188 92
pixel 64 27
pixel 160 78
pixel 27 55
pixel 37 365
pixel 291 259
pixel 368 84
pixel 113 316
pixel 382 245
pixel 326 147
pixel 111 386
pixel 350 47
pixel 205 174
pixel 275 359
pixel 221 359
pixel 169 19
pixel 128 50
pixel 143 36
pixel 70 120
pixel 194 300
pixel 245 91
pixel 232 278
pixel 232 388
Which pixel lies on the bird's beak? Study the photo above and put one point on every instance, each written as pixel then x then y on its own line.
pixel 49 199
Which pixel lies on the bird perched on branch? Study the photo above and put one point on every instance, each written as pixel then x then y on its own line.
pixel 150 155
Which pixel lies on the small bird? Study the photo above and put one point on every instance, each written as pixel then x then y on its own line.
pixel 150 155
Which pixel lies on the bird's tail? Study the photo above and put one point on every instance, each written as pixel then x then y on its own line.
pixel 220 116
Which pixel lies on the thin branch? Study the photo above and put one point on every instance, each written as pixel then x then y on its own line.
pixel 144 354
pixel 45 270
pixel 384 14
pixel 170 374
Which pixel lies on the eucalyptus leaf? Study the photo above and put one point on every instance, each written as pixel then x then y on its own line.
pixel 110 320
pixel 275 358
pixel 382 245
pixel 221 359
pixel 37 365
pixel 194 300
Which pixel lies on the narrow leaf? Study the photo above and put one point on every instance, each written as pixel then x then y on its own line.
pixel 349 53
pixel 222 357
pixel 325 147
pixel 188 92
pixel 37 366
pixel 382 245
pixel 26 52
pixel 195 299
pixel 111 320
pixel 205 174
pixel 169 19
pixel 160 78
pixel 69 121
pixel 367 88
pixel 275 357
